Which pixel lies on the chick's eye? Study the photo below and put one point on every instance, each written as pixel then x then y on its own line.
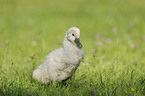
pixel 73 35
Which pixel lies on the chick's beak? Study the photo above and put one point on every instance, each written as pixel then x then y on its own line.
pixel 77 41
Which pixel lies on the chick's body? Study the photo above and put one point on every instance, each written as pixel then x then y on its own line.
pixel 60 64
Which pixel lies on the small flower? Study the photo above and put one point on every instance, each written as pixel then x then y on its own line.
pixel 108 63
pixel 85 64
pixel 134 46
pixel 29 94
pixel 34 43
pixel 38 38
pixel 100 43
pixel 33 57
pixel 114 29
pixel 112 69
pixel 131 24
pixel 132 89
pixel 97 36
pixel 93 92
pixel 92 84
pixel 97 79
pixel 94 55
pixel 143 38
pixel 103 57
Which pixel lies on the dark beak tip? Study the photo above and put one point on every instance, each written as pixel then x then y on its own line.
pixel 80 46
pixel 77 41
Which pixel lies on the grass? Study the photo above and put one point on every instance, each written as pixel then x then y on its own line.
pixel 114 63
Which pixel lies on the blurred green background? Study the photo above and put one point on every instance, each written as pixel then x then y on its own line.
pixel 112 34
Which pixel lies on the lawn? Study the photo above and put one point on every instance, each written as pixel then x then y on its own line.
pixel 112 35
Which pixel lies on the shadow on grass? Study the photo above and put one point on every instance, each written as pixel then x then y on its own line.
pixel 1 92
pixel 18 92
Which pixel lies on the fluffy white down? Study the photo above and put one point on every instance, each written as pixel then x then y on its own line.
pixel 61 63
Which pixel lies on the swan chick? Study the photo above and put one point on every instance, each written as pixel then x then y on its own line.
pixel 60 64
